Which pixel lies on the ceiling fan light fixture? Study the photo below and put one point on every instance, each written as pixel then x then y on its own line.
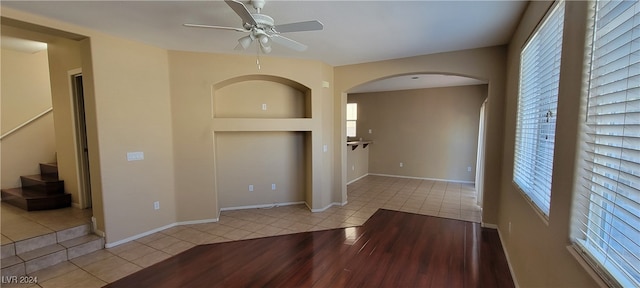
pixel 264 39
pixel 265 49
pixel 245 41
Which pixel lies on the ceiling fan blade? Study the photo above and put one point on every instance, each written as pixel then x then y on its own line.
pixel 215 27
pixel 289 43
pixel 299 26
pixel 242 11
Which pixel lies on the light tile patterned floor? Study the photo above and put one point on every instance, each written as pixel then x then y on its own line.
pixel 443 199
pixel 18 224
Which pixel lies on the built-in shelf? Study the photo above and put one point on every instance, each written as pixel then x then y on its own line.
pixel 355 144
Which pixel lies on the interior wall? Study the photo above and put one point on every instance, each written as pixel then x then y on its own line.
pixel 432 132
pixel 195 79
pixel 26 92
pixel 537 248
pixel 259 99
pixel 133 113
pixel 357 162
pixel 65 55
pixel 487 64
pixel 260 159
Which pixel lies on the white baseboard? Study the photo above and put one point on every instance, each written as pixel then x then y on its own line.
pixel 489 225
pixel 213 220
pixel 261 206
pixel 326 207
pixel 506 255
pixel 147 233
pixel 354 180
pixel 138 236
pixel 423 178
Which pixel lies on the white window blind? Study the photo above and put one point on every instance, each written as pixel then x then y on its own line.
pixel 537 103
pixel 352 117
pixel 607 204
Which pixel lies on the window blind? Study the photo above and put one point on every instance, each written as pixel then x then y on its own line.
pixel 607 204
pixel 537 103
pixel 352 117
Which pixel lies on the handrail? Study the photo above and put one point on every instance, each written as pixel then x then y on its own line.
pixel 27 123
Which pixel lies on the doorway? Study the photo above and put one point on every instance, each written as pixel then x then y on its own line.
pixel 84 176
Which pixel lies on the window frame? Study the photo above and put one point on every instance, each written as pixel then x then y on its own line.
pixel 532 149
pixel 352 119
pixel 593 220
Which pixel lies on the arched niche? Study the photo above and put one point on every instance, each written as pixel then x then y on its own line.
pixel 261 96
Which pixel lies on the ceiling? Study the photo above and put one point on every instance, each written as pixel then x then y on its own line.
pixel 354 31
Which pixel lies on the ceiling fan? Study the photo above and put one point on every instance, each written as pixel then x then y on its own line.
pixel 262 28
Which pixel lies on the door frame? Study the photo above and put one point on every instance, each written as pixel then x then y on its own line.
pixel 80 139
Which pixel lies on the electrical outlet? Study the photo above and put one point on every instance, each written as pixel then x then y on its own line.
pixel 509 227
pixel 273 186
pixel 353 167
pixel 250 188
pixel 401 164
pixel 264 107
pixel 370 131
pixel 469 169
pixel 156 205
pixel 325 148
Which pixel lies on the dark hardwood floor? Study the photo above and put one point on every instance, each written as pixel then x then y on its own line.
pixel 392 249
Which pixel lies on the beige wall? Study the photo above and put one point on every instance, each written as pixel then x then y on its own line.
pixel 260 159
pixel 197 78
pixel 65 55
pixel 25 93
pixel 128 108
pixel 487 64
pixel 133 114
pixel 433 132
pixel 25 87
pixel 357 162
pixel 246 99
pixel 537 250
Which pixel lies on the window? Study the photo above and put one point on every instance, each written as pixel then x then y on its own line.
pixel 352 117
pixel 606 215
pixel 537 102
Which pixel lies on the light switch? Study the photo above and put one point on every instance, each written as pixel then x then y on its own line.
pixel 135 156
pixel 264 107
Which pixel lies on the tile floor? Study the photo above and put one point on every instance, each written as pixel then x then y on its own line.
pixel 443 199
pixel 18 224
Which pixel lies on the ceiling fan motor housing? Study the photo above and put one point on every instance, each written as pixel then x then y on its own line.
pixel 263 21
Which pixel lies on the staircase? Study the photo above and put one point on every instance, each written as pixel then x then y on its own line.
pixel 39 192
pixel 30 255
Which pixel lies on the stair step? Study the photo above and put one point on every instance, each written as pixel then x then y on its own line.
pixel 32 200
pixel 13 266
pixel 43 257
pixel 83 245
pixel 46 183
pixel 47 250
pixel 49 169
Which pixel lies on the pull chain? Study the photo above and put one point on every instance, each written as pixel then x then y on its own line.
pixel 258 56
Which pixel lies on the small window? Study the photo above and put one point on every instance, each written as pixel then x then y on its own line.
pixel 537 103
pixel 352 117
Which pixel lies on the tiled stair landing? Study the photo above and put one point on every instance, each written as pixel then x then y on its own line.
pixel 30 255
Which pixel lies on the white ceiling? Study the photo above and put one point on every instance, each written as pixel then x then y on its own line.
pixel 354 31
pixel 415 81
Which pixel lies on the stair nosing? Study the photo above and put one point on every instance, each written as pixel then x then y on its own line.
pixel 40 252
pixel 79 240
pixel 10 261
